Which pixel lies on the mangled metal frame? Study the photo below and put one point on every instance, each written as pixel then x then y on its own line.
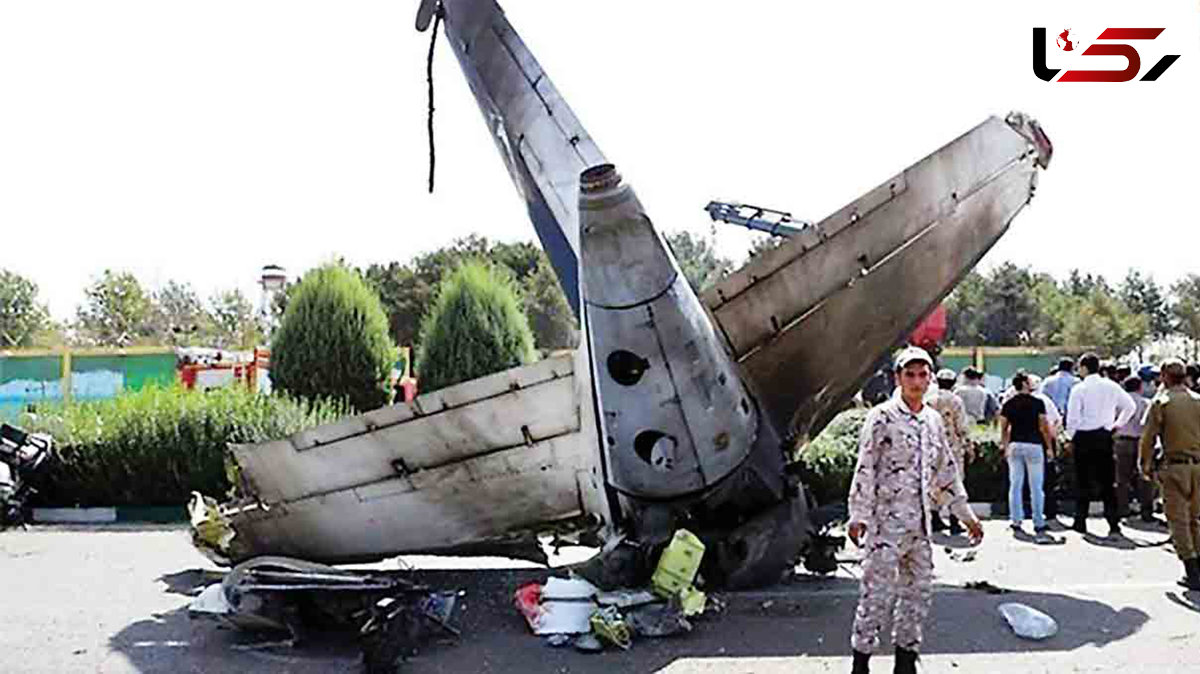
pixel 675 410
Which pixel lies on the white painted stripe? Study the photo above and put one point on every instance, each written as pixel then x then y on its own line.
pixel 74 515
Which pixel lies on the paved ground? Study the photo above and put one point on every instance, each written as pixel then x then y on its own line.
pixel 114 599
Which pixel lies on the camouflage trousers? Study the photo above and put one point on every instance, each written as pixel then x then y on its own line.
pixel 897 580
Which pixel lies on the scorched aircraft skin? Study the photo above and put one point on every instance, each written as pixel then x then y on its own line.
pixel 675 410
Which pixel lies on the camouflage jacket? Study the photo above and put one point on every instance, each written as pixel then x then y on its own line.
pixel 954 419
pixel 905 471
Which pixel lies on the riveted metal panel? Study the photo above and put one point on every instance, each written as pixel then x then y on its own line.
pixel 806 373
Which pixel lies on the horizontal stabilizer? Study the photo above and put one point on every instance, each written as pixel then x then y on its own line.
pixel 807 321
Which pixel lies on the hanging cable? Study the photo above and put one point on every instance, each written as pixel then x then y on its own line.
pixel 437 20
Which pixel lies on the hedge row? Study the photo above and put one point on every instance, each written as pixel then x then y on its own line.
pixel 155 446
pixel 827 462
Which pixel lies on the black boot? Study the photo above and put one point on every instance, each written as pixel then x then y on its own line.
pixel 906 661
pixel 1191 570
pixel 860 663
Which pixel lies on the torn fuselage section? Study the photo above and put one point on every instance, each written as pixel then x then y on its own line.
pixel 680 434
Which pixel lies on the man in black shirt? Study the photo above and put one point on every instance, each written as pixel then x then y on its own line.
pixel 1026 438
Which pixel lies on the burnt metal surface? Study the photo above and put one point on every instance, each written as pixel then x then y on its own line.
pixel 675 417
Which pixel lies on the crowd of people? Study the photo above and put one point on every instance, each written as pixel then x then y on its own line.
pixel 1126 431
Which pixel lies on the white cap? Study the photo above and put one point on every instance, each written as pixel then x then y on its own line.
pixel 911 354
pixel 946 374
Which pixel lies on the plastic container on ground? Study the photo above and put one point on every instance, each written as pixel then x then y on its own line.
pixel 678 564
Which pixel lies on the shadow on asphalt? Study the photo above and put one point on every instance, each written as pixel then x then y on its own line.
pixel 1190 599
pixel 807 616
pixel 1123 542
pixel 1156 527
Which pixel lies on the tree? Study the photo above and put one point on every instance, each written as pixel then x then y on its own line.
pixel 1055 306
pixel 474 328
pixel 1012 314
pixel 333 341
pixel 233 323
pixel 22 318
pixel 1102 321
pixel 1186 309
pixel 965 311
pixel 1081 285
pixel 1143 296
pixel 764 243
pixel 698 259
pixel 116 311
pixel 408 290
pixel 550 316
pixel 177 315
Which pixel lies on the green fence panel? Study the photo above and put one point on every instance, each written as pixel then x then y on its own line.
pixel 104 376
pixel 956 363
pixel 28 379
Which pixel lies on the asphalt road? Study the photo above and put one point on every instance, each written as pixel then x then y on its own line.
pixel 113 599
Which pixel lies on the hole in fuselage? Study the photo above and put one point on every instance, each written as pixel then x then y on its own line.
pixel 657 449
pixel 626 368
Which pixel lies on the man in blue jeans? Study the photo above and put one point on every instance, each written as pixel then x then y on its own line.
pixel 1026 438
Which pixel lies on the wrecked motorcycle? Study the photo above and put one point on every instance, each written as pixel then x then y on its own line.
pixel 21 455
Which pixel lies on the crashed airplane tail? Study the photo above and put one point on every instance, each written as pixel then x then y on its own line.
pixel 807 320
pixel 674 410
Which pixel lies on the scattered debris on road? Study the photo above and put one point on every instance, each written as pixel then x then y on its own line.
pixel 1028 622
pixel 561 608
pixel 967 556
pixel 391 616
pixel 985 586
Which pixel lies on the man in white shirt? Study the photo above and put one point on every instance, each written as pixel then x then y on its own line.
pixel 1096 408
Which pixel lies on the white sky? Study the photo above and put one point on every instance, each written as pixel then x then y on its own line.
pixel 198 141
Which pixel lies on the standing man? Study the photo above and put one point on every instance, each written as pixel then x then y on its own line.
pixel 1125 448
pixel 1050 478
pixel 1097 407
pixel 1175 417
pixel 980 403
pixel 954 420
pixel 905 471
pixel 1027 442
pixel 1058 386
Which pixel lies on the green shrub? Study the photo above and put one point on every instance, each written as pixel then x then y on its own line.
pixel 333 341
pixel 475 327
pixel 827 462
pixel 154 446
pixel 987 476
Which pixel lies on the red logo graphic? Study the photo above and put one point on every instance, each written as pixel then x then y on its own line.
pixel 1133 60
pixel 1064 41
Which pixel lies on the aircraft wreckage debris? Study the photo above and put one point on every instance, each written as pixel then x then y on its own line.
pixel 676 408
pixel 391 616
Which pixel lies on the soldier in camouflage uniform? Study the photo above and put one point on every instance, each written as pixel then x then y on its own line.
pixel 906 469
pixel 954 419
